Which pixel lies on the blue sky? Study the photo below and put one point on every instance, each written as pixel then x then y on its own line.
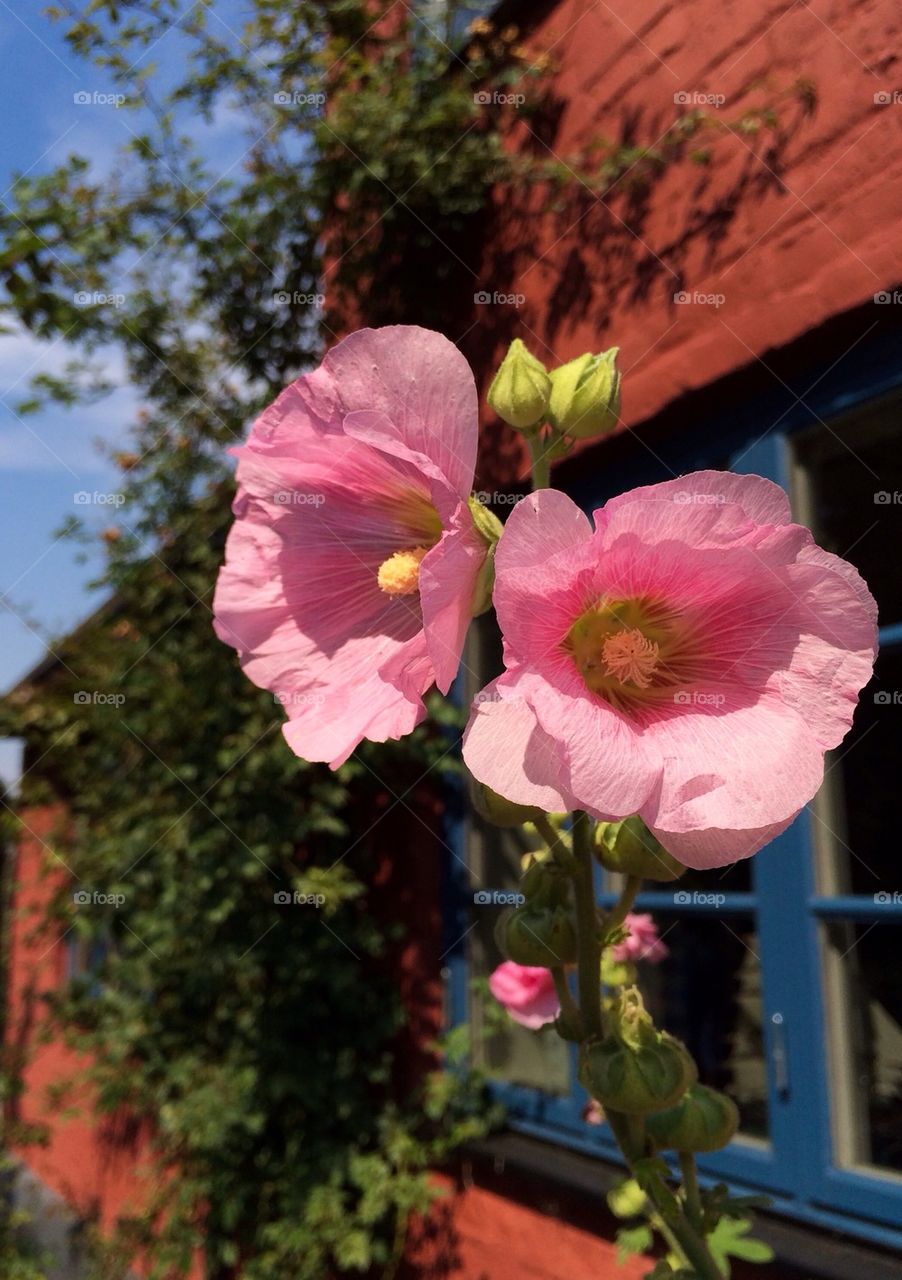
pixel 48 458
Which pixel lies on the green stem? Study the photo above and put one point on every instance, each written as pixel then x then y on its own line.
pixel 691 1193
pixel 541 463
pixel 589 956
pixel 623 905
pixel 568 1004
pixel 557 845
pixel 628 1130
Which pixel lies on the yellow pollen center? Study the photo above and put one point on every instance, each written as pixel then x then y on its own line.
pixel 629 655
pixel 399 575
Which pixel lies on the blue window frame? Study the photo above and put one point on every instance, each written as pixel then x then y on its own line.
pixel 812 1159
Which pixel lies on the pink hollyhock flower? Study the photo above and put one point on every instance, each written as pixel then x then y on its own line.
pixel 690 660
pixel 527 993
pixel 641 943
pixel 351 566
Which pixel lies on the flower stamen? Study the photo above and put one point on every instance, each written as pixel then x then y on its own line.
pixel 399 575
pixel 629 655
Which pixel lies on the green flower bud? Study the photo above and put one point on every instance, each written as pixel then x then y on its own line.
pixel 630 848
pixel 703 1120
pixel 542 936
pixel 585 395
pixel 636 1069
pixel 496 809
pixel 489 528
pixel 545 884
pixel 520 389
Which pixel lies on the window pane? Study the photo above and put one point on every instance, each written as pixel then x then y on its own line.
pixel 865 1025
pixel 852 499
pixel 708 992
pixel 853 821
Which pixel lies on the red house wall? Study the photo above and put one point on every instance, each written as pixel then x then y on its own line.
pixel 792 226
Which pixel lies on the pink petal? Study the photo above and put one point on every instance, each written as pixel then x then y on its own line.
pixel 447 586
pixel 761 500
pixel 422 390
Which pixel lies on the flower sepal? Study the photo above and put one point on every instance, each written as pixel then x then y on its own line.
pixel 629 848
pixel 496 809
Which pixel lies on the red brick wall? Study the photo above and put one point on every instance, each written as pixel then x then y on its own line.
pixel 792 228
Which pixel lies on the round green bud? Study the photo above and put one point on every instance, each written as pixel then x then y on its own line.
pixel 637 1080
pixel 520 389
pixel 635 1068
pixel 541 936
pixel 630 848
pixel 585 395
pixel 703 1120
pixel 497 810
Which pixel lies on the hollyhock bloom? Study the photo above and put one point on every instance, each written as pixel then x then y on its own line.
pixel 527 993
pixel 642 941
pixel 353 560
pixel 690 660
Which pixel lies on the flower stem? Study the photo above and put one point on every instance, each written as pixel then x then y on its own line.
pixel 682 1222
pixel 568 1004
pixel 690 1189
pixel 589 959
pixel 556 843
pixel 541 463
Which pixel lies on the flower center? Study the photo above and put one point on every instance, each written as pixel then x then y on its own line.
pixel 633 651
pixel 629 655
pixel 399 575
